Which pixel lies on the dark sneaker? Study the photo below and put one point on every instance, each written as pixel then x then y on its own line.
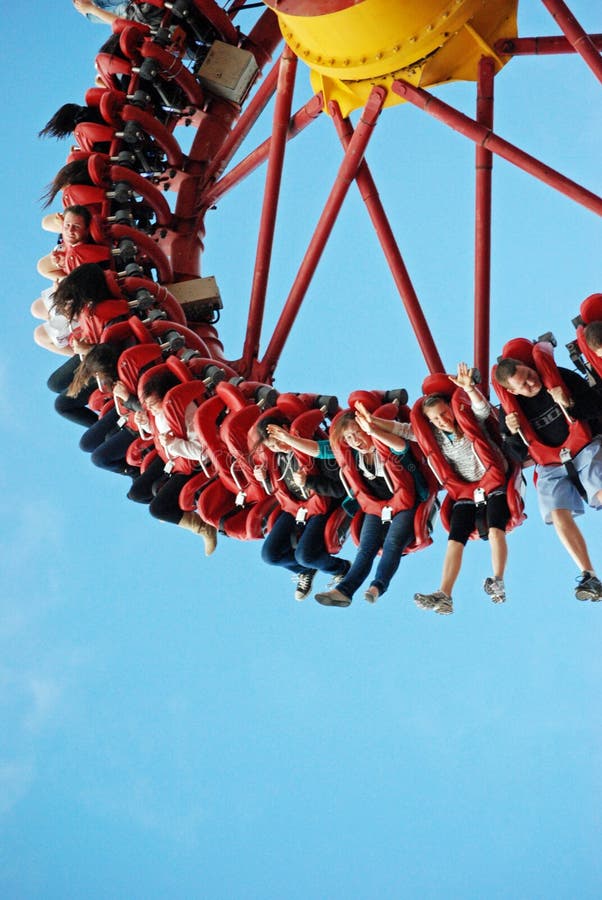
pixel 333 598
pixel 305 581
pixel 588 588
pixel 438 601
pixel 495 588
pixel 336 579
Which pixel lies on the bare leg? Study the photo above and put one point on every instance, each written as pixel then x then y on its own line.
pixel 571 538
pixel 451 566
pixel 38 309
pixel 43 339
pixel 499 551
pixel 53 222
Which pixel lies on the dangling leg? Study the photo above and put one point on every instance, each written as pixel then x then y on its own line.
pixel 278 550
pixel 311 549
pixel 398 535
pixel 498 516
pixel 371 537
pixel 165 507
pixel 462 523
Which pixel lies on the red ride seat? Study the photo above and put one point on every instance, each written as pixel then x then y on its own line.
pixel 590 311
pixel 400 479
pixel 230 504
pixel 95 324
pixel 93 137
pixel 540 356
pixel 234 433
pixel 487 445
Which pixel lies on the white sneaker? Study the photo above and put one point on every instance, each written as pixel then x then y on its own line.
pixel 336 579
pixel 495 588
pixel 438 601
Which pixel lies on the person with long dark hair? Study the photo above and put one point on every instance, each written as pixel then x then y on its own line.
pixel 155 486
pixel 67 117
pixel 376 473
pixel 106 440
pixel 297 544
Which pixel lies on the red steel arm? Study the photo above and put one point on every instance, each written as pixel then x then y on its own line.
pixel 576 35
pixel 265 239
pixel 347 172
pixel 370 196
pixel 482 254
pixel 486 138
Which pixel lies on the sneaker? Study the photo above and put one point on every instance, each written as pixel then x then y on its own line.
pixel 333 598
pixel 495 588
pixel 371 595
pixel 336 579
pixel 445 606
pixel 588 588
pixel 304 583
pixel 438 601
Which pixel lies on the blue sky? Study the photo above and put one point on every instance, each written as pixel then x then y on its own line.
pixel 179 727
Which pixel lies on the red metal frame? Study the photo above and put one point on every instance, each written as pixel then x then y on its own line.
pixel 247 119
pixel 370 196
pixel 482 251
pixel 479 130
pixel 576 35
pixel 539 46
pixel 267 225
pixel 480 134
pixel 354 154
pixel 258 156
pixel 223 127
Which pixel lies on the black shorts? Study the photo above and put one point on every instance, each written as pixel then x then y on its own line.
pixel 463 517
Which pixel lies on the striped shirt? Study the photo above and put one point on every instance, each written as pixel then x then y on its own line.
pixel 457 450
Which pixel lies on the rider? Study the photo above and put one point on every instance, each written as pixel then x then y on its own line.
pixel 559 490
pixel 297 544
pixel 460 455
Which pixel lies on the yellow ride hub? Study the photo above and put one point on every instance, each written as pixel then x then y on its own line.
pixel 351 45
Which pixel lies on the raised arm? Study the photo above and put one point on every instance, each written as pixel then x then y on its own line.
pixel 465 380
pixel 303 445
pixel 388 431
pixel 86 7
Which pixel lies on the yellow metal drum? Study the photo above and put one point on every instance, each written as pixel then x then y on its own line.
pixel 369 42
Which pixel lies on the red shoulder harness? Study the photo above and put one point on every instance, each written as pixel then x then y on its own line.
pixel 540 356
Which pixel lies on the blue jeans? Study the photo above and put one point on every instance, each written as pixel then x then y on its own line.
pixel 73 408
pixel 108 444
pixel 393 539
pixel 94 436
pixel 310 552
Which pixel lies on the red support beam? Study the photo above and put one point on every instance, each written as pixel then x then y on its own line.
pixel 247 119
pixel 211 134
pixel 265 239
pixel 482 252
pixel 346 174
pixel 370 196
pixel 575 34
pixel 480 134
pixel 533 46
pixel 263 38
pixel 297 124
